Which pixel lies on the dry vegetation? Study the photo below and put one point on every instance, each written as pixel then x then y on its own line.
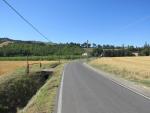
pixel 44 99
pixel 17 86
pixel 10 66
pixel 5 43
pixel 132 68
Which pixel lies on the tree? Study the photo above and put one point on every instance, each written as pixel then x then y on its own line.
pixel 94 45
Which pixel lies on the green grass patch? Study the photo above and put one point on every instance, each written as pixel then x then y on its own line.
pixel 144 82
pixel 36 58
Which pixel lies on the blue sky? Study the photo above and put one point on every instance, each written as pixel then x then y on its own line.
pixel 99 21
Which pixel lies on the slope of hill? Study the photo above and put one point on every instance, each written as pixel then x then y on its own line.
pixel 5 43
pixel 19 41
pixel 5 40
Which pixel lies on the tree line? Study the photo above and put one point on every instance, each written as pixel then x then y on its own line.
pixel 35 48
pixel 118 51
pixel 40 49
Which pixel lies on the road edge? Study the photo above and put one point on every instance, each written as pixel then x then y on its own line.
pixel 59 102
pixel 117 81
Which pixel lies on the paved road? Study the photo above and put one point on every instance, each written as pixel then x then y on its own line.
pixel 85 91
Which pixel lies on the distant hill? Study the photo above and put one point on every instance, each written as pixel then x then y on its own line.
pixel 5 40
pixel 2 40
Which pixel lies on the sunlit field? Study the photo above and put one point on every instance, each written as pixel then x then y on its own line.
pixel 10 66
pixel 133 68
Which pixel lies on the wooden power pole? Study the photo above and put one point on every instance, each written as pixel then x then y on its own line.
pixel 27 66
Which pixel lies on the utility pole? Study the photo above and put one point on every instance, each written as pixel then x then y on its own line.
pixel 87 44
pixel 103 51
pixel 59 52
pixel 27 67
pixel 40 61
pixel 87 49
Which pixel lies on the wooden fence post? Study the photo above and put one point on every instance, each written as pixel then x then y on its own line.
pixel 40 64
pixel 27 67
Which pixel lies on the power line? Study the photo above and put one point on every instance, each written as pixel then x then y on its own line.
pixel 24 19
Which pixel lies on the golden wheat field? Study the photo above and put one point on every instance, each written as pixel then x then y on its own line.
pixel 10 66
pixel 129 67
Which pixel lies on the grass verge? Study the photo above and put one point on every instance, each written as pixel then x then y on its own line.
pixel 44 100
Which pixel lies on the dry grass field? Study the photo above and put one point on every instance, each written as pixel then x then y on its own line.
pixel 10 66
pixel 133 68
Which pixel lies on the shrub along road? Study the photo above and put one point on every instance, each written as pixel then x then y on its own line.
pixel 85 91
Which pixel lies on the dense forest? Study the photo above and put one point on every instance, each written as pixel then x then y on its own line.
pixel 36 48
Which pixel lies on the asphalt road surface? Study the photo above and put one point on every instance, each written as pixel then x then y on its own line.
pixel 85 91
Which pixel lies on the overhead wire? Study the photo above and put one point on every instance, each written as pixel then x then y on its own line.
pixel 24 19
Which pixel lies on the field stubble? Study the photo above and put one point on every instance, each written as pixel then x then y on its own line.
pixel 133 68
pixel 10 66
